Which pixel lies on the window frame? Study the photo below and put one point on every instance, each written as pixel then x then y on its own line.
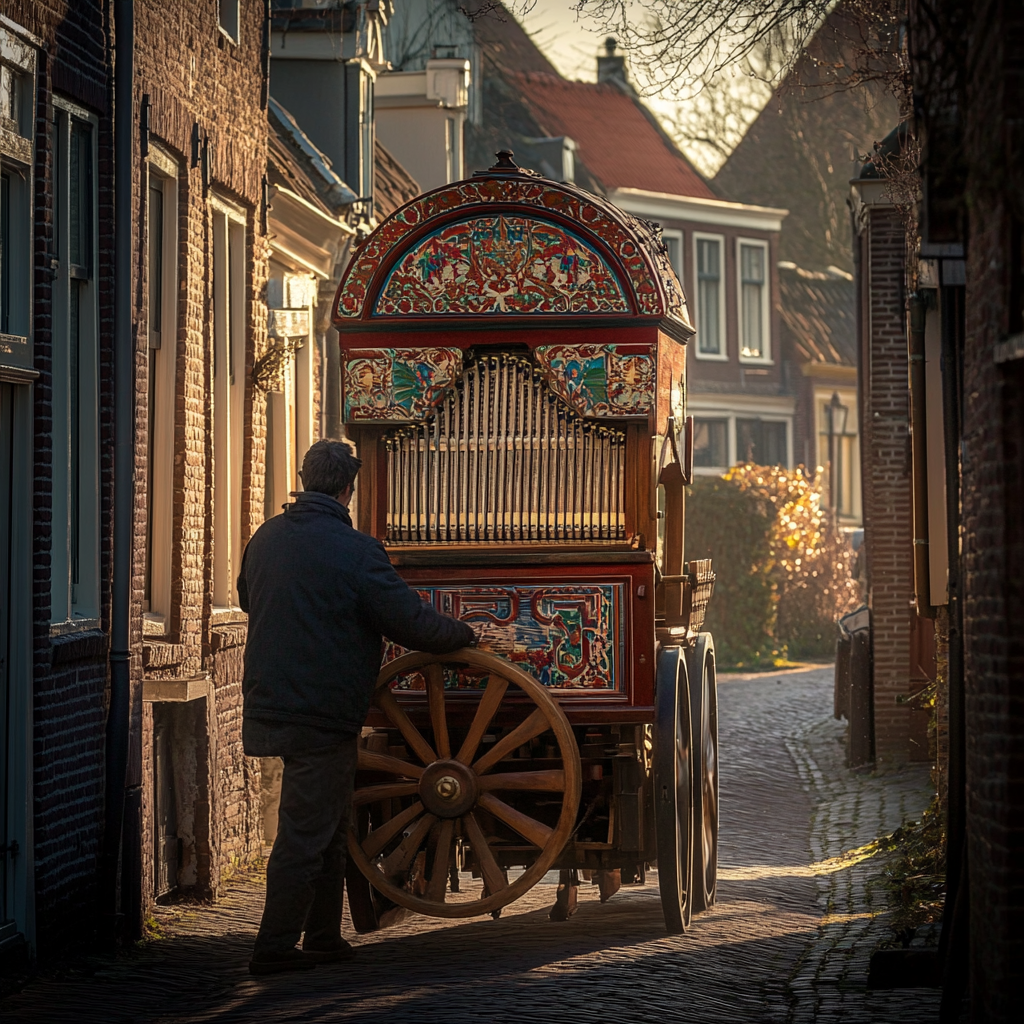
pixel 234 7
pixel 17 162
pixel 75 604
pixel 229 225
pixel 677 234
pixel 163 173
pixel 765 359
pixel 722 356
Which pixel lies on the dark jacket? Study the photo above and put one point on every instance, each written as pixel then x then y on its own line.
pixel 320 596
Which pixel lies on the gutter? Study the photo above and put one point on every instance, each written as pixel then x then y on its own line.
pixel 118 714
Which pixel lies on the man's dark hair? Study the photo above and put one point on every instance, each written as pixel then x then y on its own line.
pixel 329 467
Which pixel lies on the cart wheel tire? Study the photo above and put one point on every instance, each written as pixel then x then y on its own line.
pixel 443 789
pixel 704 718
pixel 673 788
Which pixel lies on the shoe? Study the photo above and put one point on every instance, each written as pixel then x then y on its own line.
pixel 329 953
pixel 277 963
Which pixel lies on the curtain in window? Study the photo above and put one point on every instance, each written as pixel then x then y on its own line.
pixel 751 298
pixel 709 275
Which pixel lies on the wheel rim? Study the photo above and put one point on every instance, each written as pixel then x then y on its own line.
pixel 449 791
pixel 673 789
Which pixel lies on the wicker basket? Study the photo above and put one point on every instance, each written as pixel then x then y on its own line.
pixel 702 583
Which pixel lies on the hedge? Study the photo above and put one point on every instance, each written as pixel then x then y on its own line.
pixel 783 566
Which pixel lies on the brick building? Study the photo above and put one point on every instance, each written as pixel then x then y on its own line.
pixel 968 283
pixel 156 117
pixel 901 638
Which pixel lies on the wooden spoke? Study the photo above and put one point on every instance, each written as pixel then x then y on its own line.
pixel 494 877
pixel 419 746
pixel 398 862
pixel 385 791
pixel 543 782
pixel 438 720
pixel 371 761
pixel 489 704
pixel 442 854
pixel 523 733
pixel 529 828
pixel 380 837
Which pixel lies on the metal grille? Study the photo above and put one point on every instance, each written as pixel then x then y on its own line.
pixel 504 459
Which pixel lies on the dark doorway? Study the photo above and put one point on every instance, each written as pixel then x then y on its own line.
pixel 166 844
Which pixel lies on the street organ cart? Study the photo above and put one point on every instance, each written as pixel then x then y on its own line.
pixel 514 379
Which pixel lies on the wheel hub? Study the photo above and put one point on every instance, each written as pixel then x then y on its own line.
pixel 448 788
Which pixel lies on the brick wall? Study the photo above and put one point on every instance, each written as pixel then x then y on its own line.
pixel 993 520
pixel 199 83
pixel 69 672
pixel 887 477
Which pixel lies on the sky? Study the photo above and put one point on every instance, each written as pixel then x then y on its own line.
pixel 572 43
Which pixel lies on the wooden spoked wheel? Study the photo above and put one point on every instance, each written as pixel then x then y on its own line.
pixel 704 716
pixel 673 789
pixel 446 794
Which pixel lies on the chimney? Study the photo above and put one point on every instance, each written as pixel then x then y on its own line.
pixel 611 68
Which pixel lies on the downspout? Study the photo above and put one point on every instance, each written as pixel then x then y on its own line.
pixel 919 455
pixel 120 598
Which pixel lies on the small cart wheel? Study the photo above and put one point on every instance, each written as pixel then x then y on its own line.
pixel 704 717
pixel 673 788
pixel 443 797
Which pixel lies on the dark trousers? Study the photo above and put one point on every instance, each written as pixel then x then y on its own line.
pixel 306 870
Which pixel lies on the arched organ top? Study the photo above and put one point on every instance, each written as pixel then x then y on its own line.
pixel 508 244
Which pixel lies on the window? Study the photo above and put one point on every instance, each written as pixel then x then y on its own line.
pixel 753 298
pixel 710 443
pixel 762 442
pixel 228 18
pixel 229 318
pixel 74 553
pixel 708 251
pixel 673 239
pixel 162 292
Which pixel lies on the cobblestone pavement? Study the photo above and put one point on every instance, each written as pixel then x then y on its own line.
pixel 788 941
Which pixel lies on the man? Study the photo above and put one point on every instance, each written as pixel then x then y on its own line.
pixel 320 597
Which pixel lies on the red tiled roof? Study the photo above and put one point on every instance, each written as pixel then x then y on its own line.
pixel 616 138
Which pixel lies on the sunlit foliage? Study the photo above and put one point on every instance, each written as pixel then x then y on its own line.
pixel 784 567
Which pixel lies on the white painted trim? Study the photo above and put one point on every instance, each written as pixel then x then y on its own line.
pixel 766 306
pixel 694 299
pixel 758 405
pixel 230 209
pixel 661 205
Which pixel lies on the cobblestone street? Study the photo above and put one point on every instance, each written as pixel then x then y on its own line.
pixel 789 940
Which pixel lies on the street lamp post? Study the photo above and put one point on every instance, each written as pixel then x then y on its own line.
pixel 837 413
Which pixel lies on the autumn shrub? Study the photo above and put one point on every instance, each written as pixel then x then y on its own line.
pixel 784 590
pixel 730 525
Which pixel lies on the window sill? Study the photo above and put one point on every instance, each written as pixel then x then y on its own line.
pixel 224 615
pixel 756 361
pixel 711 357
pixel 153 625
pixel 73 626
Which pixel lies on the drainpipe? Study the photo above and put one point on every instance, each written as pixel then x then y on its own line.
pixel 118 724
pixel 919 455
